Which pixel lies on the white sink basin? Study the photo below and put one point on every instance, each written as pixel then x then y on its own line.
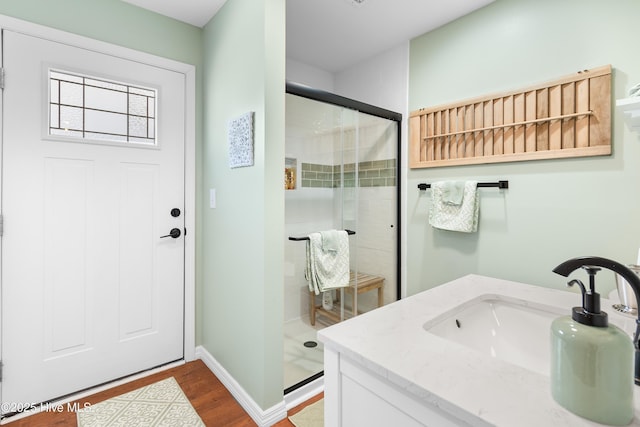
pixel 512 330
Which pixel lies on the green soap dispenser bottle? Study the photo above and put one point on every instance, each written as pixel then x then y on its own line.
pixel 592 366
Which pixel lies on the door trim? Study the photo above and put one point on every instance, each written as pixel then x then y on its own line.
pixel 189 71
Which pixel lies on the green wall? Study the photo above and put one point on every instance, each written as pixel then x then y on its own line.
pixel 553 210
pixel 242 237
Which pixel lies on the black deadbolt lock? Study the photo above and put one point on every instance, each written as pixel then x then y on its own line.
pixel 175 212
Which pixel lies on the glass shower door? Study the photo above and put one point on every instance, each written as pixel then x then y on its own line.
pixel 369 155
pixel 340 173
pixel 312 191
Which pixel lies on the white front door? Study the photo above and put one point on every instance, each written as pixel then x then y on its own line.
pixel 91 291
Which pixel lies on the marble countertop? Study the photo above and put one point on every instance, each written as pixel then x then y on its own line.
pixel 475 388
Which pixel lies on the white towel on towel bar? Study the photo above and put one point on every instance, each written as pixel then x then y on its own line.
pixel 327 269
pixel 331 240
pixel 461 217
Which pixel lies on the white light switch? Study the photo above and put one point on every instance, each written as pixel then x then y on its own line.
pixel 212 198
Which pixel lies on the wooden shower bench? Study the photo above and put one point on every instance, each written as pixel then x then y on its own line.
pixel 365 283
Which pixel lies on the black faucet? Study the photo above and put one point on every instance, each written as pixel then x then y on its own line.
pixel 632 278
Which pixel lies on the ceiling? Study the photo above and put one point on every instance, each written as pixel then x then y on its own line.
pixel 194 12
pixel 335 34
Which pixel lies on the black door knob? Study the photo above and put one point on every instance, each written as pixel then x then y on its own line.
pixel 175 233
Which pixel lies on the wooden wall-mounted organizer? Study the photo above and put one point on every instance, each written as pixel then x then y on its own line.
pixel 568 117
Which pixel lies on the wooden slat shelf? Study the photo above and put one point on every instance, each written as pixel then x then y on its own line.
pixel 568 117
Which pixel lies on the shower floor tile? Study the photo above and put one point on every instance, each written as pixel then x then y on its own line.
pixel 301 362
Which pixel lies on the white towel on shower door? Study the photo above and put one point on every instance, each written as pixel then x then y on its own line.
pixel 327 269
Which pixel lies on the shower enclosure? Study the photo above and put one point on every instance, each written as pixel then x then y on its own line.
pixel 341 172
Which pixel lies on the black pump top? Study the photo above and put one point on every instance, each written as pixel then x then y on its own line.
pixel 589 314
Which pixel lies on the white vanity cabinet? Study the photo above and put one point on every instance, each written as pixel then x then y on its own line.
pixel 357 396
pixel 384 368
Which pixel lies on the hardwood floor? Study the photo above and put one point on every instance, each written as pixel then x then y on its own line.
pixel 213 402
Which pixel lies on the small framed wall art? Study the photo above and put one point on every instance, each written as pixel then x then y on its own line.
pixel 240 136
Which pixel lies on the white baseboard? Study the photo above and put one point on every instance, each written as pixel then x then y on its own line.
pixel 264 418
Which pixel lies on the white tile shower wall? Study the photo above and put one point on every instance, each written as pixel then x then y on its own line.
pixel 306 210
pixel 377 226
pixel 371 211
pixel 378 141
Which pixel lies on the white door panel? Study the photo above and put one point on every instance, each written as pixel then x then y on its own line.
pixel 90 290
